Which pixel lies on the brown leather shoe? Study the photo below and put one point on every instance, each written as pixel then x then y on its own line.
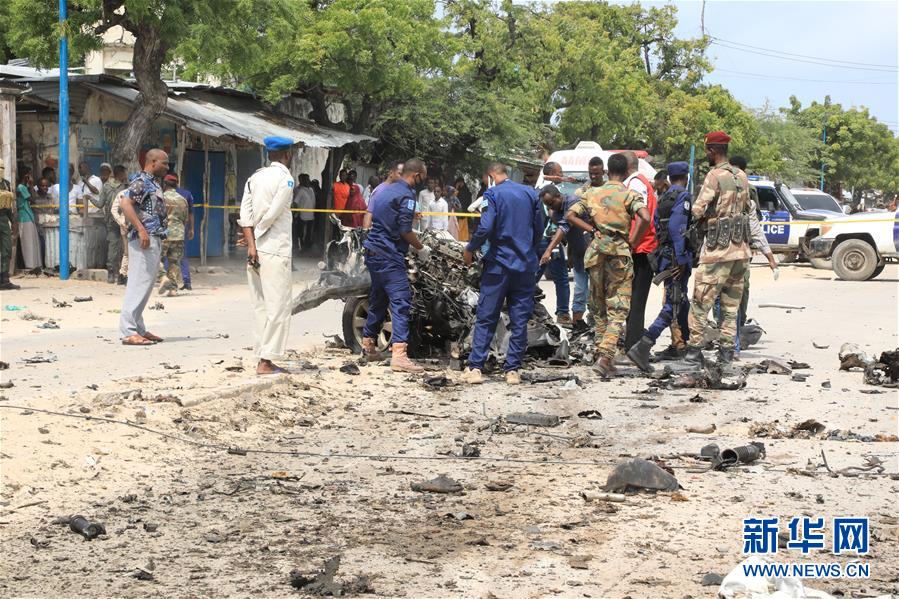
pixel 603 367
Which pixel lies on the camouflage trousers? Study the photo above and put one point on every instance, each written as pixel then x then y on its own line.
pixel 610 293
pixel 172 251
pixel 711 280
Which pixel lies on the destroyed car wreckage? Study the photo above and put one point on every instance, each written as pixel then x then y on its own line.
pixel 444 302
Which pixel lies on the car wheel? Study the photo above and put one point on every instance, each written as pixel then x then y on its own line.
pixel 822 263
pixel 877 271
pixel 854 260
pixel 355 312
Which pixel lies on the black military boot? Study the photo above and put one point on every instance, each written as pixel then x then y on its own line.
pixel 670 353
pixel 6 284
pixel 639 353
pixel 725 356
pixel 693 356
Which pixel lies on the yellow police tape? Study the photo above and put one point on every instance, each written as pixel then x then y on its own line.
pixel 476 215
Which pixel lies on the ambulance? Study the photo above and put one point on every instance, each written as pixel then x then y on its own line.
pixel 574 163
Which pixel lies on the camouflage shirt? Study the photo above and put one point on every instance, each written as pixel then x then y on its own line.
pixel 107 194
pixel 610 209
pixel 724 193
pixel 176 206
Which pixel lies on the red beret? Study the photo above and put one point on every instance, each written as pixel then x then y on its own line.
pixel 717 137
pixel 170 178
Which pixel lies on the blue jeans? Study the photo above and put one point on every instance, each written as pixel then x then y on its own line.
pixel 558 274
pixel 498 287
pixel 581 289
pixel 389 287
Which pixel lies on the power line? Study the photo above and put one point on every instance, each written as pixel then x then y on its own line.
pixel 785 78
pixel 864 64
pixel 802 60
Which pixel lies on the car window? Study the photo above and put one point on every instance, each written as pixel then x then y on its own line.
pixel 570 188
pixel 817 201
pixel 768 199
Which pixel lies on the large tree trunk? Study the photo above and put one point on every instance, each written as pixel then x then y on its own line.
pixel 149 55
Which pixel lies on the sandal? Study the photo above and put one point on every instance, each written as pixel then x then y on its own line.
pixel 136 340
pixel 151 337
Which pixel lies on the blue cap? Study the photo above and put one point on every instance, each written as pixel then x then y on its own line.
pixel 678 169
pixel 276 143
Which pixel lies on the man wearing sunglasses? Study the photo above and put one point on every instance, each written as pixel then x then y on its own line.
pixel 388 241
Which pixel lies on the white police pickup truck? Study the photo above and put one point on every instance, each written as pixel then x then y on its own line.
pixel 787 226
pixel 860 244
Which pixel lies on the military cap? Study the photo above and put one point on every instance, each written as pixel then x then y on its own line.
pixel 170 178
pixel 276 143
pixel 717 137
pixel 678 169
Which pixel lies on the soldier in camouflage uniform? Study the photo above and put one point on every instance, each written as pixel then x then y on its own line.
pixel 606 213
pixel 111 187
pixel 722 206
pixel 173 246
pixel 7 224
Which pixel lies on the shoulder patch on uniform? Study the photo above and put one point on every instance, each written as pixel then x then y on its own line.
pixel 686 205
pixel 289 183
pixel 410 204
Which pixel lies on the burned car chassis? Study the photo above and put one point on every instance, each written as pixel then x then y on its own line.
pixel 444 301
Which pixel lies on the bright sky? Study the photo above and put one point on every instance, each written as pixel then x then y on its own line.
pixel 859 34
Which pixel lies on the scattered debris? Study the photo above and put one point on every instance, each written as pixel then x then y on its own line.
pixel 825 384
pixel 441 484
pixel 158 306
pixel 799 377
pixel 851 356
pixel 535 379
pixel 579 562
pixel 350 368
pixel 597 496
pixel 885 371
pixel 31 316
pixel 59 304
pixel 639 474
pixel 744 454
pixel 774 430
pixel 4 365
pixel 710 376
pixel 11 308
pixel 438 382
pixel 322 583
pixel 710 452
pixel 40 359
pixel 590 415
pixel 533 419
pixel 83 298
pixel 335 342
pixel 458 516
pixel 546 545
pixel 711 579
pixel 698 399
pixel 820 346
pixel 773 366
pixel 88 530
pixel 500 486
pixel 782 306
pixel 750 333
pixel 470 450
pixel 848 435
pixel 50 324
pixel 704 429
pixel 39 543
pixel 6 385
pixel 235 368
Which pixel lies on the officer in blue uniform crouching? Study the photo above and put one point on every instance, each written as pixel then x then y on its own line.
pixel 672 219
pixel 385 252
pixel 513 224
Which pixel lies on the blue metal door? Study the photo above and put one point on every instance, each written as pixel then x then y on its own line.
pixel 194 170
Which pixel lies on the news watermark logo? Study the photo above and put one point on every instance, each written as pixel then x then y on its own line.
pixel 849 536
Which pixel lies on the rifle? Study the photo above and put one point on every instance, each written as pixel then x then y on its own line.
pixel 677 294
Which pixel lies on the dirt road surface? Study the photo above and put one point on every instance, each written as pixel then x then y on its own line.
pixel 332 457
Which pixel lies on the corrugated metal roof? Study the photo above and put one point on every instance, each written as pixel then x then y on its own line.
pixel 242 118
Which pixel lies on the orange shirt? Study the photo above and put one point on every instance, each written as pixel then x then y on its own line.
pixel 341 195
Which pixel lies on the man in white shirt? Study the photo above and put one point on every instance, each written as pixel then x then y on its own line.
pixel 266 223
pixel 72 195
pixel 88 190
pixel 425 199
pixel 440 222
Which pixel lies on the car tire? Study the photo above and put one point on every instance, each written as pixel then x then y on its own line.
pixel 877 271
pixel 854 260
pixel 355 311
pixel 822 263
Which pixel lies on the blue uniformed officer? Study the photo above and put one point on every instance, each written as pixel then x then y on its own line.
pixel 385 251
pixel 671 221
pixel 513 224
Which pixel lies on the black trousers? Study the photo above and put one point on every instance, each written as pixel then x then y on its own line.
pixel 639 294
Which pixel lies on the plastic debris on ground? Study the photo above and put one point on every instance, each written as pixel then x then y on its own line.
pixel 640 475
